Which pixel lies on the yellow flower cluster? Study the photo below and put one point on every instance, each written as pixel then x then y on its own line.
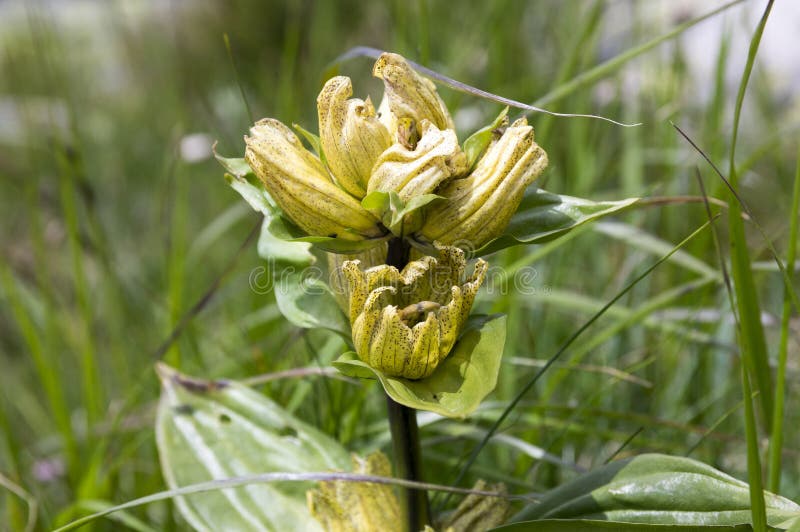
pixel 405 322
pixel 407 147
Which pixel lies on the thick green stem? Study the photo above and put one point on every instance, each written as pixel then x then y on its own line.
pixel 405 433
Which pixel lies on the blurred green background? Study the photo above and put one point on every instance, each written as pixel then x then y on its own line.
pixel 117 229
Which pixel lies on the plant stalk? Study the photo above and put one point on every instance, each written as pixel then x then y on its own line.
pixel 404 430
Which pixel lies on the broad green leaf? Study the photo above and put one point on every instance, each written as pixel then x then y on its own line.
pixel 242 179
pixel 543 216
pixel 585 525
pixel 298 283
pixel 475 145
pixel 403 214
pixel 658 489
pixel 208 430
pixel 306 300
pixel 460 382
pixel 280 253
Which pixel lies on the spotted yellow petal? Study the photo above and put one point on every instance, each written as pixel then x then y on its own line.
pixel 436 158
pixel 300 185
pixel 405 323
pixel 479 207
pixel 409 94
pixel 352 138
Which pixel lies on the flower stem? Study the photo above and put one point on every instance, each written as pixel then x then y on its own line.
pixel 405 433
pixel 408 462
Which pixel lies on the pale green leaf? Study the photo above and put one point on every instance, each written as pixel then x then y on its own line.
pixel 217 430
pixel 312 139
pixel 392 210
pixel 657 489
pixel 252 192
pixel 271 245
pixel 460 382
pixel 543 216
pixel 279 252
pixel 475 145
pixel 586 525
pixel 306 300
pixel 417 202
pixel 236 166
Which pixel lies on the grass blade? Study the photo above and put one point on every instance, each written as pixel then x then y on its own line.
pixel 529 385
pixel 605 68
pixel 751 331
pixel 776 443
pixel 47 373
pixel 265 478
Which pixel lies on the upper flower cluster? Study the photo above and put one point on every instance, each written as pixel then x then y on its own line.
pixel 407 148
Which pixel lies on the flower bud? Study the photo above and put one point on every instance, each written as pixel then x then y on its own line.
pixel 342 506
pixel 413 172
pixel 405 323
pixel 409 94
pixel 478 208
pixel 352 138
pixel 300 185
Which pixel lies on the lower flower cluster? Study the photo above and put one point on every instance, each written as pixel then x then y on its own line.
pixel 406 322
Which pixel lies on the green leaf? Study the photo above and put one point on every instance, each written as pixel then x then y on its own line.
pixel 312 139
pixel 306 300
pixel 376 202
pixel 236 166
pixel 417 202
pixel 252 192
pixel 658 489
pixel 207 430
pixel 460 382
pixel 242 179
pixel 393 211
pixel 283 228
pixel 585 525
pixel 281 253
pixel 301 293
pixel 402 213
pixel 478 141
pixel 543 216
